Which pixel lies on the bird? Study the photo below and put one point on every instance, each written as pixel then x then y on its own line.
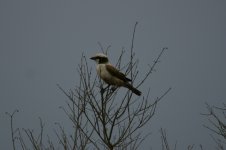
pixel 112 76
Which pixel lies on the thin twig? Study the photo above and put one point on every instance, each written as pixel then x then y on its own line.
pixel 11 126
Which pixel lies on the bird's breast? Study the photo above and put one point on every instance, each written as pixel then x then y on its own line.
pixel 102 71
pixel 108 77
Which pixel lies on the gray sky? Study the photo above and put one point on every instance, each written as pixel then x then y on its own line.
pixel 41 43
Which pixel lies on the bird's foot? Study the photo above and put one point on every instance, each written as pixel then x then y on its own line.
pixel 113 88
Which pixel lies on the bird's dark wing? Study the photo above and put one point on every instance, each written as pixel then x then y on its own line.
pixel 115 72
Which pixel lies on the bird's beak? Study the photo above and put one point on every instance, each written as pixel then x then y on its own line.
pixel 93 58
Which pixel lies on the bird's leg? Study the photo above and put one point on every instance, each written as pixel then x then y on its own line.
pixel 107 86
pixel 113 88
pixel 101 87
pixel 104 89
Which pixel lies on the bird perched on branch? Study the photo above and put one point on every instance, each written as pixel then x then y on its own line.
pixel 111 75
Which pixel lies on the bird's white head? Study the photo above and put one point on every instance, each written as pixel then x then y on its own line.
pixel 100 58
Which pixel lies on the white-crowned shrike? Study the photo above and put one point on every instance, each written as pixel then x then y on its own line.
pixel 111 75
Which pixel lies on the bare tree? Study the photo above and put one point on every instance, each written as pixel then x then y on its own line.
pixel 13 131
pixel 102 116
pixel 166 144
pixel 217 119
pixel 26 139
pixel 164 139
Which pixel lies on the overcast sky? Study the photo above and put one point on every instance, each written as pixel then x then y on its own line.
pixel 41 42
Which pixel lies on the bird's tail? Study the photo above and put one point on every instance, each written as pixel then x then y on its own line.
pixel 133 89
